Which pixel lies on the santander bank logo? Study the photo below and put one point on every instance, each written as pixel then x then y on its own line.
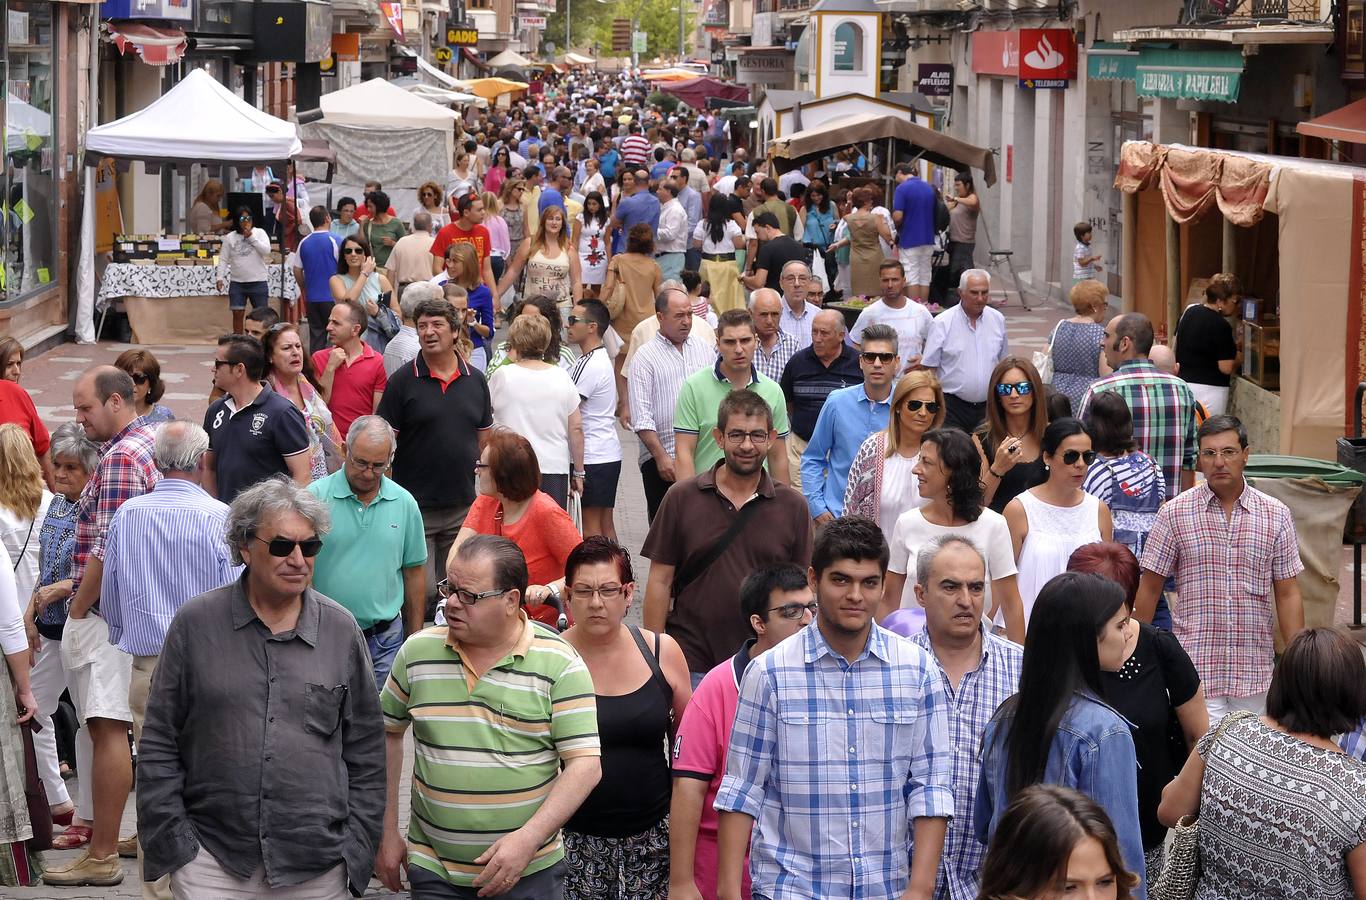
pixel 1044 56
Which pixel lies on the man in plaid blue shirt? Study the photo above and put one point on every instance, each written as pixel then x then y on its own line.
pixel 840 748
pixel 979 671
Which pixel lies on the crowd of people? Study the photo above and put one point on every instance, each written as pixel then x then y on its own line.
pixel 917 622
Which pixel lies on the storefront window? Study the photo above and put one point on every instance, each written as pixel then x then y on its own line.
pixel 29 204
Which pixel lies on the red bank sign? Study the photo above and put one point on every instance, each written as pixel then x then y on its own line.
pixel 996 53
pixel 1048 57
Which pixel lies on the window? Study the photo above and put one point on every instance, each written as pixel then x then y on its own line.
pixel 28 209
pixel 848 47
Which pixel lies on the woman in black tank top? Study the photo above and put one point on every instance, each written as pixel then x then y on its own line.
pixel 617 843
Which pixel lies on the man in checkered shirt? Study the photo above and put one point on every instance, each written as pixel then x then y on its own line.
pixel 1229 546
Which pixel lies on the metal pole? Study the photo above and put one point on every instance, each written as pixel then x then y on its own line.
pixel 680 30
pixel 568 19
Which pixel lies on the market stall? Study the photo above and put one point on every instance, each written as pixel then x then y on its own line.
pixel 1292 231
pixel 697 91
pixel 197 122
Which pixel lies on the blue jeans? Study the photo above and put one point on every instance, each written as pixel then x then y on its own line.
pixel 383 646
pixel 1162 613
pixel 239 292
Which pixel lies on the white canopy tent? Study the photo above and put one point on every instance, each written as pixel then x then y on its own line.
pixel 578 59
pixel 510 58
pixel 445 97
pixel 197 121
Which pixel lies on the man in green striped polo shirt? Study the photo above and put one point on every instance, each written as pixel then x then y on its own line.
pixel 497 704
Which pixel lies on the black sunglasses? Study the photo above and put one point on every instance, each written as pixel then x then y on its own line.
pixel 871 356
pixel 1070 457
pixel 140 378
pixel 931 406
pixel 282 547
pixel 353 251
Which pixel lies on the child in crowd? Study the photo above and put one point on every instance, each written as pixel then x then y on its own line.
pixel 1085 264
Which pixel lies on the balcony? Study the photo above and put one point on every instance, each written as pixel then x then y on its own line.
pixel 1224 13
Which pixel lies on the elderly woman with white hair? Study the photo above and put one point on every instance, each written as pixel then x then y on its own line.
pixel 404 346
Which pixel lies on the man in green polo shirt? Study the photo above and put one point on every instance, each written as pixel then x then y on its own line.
pixel 373 561
pixel 695 450
pixel 506 731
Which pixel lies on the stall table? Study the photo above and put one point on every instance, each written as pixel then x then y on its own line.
pixel 177 304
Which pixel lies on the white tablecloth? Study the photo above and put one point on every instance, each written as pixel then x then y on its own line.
pixel 128 280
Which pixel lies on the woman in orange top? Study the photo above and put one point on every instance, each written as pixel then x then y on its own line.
pixel 511 504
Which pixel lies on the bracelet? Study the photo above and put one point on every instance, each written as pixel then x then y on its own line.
pixel 993 473
pixel 578 474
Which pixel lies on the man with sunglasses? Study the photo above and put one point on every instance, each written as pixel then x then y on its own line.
pixel 374 561
pixel 912 320
pixel 964 344
pixel 253 432
pixel 775 603
pixel 846 419
pixel 263 720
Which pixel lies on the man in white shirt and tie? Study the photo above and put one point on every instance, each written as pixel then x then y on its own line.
pixel 965 343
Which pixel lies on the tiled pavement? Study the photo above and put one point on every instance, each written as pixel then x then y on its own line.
pixel 187 371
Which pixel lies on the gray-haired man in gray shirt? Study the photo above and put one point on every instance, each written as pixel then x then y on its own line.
pixel 261 767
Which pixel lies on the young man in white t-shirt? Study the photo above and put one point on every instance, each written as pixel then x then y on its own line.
pixel 595 379
pixel 911 320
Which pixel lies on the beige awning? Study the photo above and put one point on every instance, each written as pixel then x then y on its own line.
pixel 813 143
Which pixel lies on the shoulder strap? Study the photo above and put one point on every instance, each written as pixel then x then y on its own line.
pixel 687 573
pixel 20 558
pixel 652 659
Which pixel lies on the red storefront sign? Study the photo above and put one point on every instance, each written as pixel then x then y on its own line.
pixel 996 53
pixel 1048 57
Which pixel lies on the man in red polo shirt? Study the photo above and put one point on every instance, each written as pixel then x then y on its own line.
pixel 351 374
pixel 468 228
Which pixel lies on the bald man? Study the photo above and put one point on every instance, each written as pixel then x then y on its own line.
pixel 774 346
pixel 828 364
pixel 1164 358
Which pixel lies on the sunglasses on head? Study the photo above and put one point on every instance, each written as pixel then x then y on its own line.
pixel 1023 388
pixel 1070 457
pixel 283 547
pixel 873 356
pixel 930 406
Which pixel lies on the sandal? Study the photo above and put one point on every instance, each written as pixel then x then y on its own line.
pixel 63 819
pixel 74 837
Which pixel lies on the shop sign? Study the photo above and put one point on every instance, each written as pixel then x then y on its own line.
pixel 169 10
pixel 442 55
pixel 292 31
pixel 1048 58
pixel 532 21
pixel 1190 74
pixel 346 47
pixel 934 79
pixel 462 36
pixel 996 53
pixel 764 68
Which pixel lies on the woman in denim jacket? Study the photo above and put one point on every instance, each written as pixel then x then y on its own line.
pixel 1056 730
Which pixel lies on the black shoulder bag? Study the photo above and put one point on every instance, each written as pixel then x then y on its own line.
pixel 687 573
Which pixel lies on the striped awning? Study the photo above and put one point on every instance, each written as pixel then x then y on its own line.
pixel 156 45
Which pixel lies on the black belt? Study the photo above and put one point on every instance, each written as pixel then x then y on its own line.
pixel 378 627
pixel 981 403
pixel 719 257
pixel 669 253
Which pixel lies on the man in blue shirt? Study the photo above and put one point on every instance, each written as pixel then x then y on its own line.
pixel 530 143
pixel 913 207
pixel 849 415
pixel 315 264
pixel 840 752
pixel 638 204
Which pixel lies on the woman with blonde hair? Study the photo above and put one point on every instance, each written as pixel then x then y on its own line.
pixel 881 484
pixel 462 268
pixel 148 387
pixel 510 196
pixel 431 198
pixel 551 263
pixel 206 215
pixel 500 242
pixel 1075 344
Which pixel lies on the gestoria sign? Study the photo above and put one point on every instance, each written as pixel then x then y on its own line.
pixel 775 67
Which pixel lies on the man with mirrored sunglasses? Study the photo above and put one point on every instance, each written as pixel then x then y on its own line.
pixel 263 720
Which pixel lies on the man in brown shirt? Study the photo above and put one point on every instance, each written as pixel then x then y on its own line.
pixel 697 559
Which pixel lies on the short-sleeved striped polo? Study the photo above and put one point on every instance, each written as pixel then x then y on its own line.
pixel 488 751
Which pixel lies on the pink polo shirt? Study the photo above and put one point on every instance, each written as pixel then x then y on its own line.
pixel 700 752
pixel 354 385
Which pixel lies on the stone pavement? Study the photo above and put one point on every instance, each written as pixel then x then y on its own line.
pixel 187 371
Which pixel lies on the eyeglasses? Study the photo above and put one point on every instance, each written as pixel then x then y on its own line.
pixel 1023 388
pixel 737 438
pixel 794 611
pixel 371 466
pixel 930 406
pixel 872 356
pixel 606 591
pixel 469 598
pixel 283 547
pixel 353 251
pixel 1227 454
pixel 139 377
pixel 1070 457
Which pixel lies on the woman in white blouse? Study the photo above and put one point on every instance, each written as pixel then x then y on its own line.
pixel 718 237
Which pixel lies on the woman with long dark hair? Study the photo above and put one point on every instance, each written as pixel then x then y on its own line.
pixel 946 476
pixel 499 170
pixel 1053 843
pixel 1057 729
pixel 290 377
pixel 358 281
pixel 718 237
pixel 1010 441
pixel 819 218
pixel 590 237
